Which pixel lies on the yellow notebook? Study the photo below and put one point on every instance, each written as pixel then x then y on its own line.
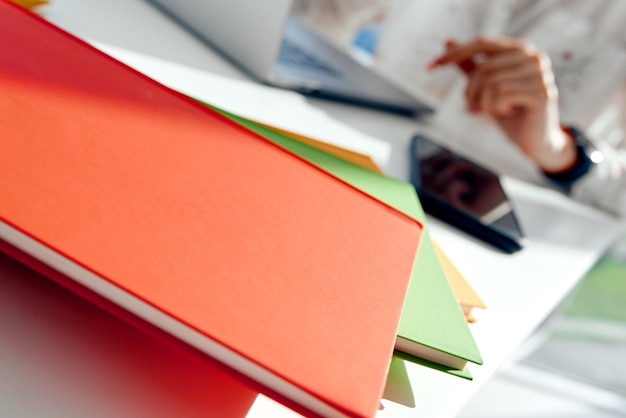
pixel 30 4
pixel 464 292
pixel 354 157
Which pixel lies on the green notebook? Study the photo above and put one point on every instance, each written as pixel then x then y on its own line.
pixel 433 330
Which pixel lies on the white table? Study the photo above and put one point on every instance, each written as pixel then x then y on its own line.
pixel 53 364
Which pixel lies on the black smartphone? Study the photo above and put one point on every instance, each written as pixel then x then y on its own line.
pixel 464 194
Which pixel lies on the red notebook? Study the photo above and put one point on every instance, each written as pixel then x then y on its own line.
pixel 214 235
pixel 86 363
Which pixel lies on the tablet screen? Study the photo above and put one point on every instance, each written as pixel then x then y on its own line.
pixel 464 185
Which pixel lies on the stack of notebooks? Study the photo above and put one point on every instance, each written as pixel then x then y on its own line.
pixel 297 271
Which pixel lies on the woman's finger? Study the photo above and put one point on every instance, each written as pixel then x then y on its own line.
pixel 508 59
pixel 478 46
pixel 499 100
pixel 521 85
pixel 479 80
pixel 488 99
pixel 528 99
pixel 508 64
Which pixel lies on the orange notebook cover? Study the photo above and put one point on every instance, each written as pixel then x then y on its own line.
pixel 220 238
pixel 463 291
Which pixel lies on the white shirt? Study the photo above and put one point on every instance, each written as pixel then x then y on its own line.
pixel 586 42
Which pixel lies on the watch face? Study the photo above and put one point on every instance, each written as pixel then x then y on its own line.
pixel 587 147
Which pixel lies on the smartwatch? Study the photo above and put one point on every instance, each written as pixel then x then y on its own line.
pixel 584 161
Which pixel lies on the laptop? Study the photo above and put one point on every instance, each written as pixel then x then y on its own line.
pixel 268 43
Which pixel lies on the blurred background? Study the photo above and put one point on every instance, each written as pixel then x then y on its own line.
pixel 575 364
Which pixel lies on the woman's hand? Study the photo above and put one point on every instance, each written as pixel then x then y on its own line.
pixel 511 81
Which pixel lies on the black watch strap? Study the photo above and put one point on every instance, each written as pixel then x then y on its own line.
pixel 584 163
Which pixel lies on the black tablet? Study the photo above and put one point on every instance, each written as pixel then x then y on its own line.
pixel 464 194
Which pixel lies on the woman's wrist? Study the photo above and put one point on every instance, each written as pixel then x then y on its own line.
pixel 586 157
pixel 561 154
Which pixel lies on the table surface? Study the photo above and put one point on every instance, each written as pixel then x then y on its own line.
pixel 55 364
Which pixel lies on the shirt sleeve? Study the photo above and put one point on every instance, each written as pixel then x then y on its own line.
pixel 604 185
